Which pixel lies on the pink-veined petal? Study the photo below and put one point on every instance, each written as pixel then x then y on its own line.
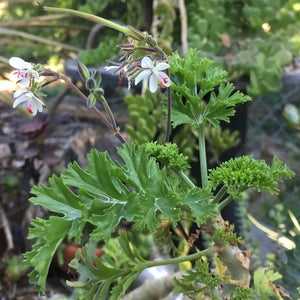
pixel 164 79
pixel 146 63
pixel 31 107
pixel 144 74
pixel 153 83
pixel 162 66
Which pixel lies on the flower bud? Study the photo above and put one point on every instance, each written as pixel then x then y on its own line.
pixel 99 92
pixel 97 77
pixel 92 100
pixel 83 71
pixel 90 84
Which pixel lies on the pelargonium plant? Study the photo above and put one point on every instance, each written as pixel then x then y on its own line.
pixel 149 190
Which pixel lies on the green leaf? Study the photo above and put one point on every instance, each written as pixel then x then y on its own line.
pixel 91 267
pixel 153 193
pixel 193 72
pixel 96 179
pixel 129 250
pixel 49 234
pixel 119 290
pixel 182 113
pixel 198 201
pixel 263 283
pixel 95 277
pixel 194 79
pixel 197 281
pixel 221 106
pixel 58 198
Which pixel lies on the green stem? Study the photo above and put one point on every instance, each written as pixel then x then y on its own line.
pixel 91 17
pixel 177 260
pixel 225 202
pixel 220 194
pixel 185 178
pixel 202 156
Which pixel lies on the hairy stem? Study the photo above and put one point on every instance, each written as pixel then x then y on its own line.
pixel 72 86
pixel 91 17
pixel 111 117
pixel 169 109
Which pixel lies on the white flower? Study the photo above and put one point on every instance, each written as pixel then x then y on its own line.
pixel 24 71
pixel 155 73
pixel 33 105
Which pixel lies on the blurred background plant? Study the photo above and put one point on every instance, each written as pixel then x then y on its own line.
pixel 253 40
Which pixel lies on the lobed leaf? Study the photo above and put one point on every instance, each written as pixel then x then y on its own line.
pixel 198 201
pixel 200 93
pixel 50 234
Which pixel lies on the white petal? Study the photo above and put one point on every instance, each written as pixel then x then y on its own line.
pixel 144 74
pixel 39 106
pixel 39 102
pixel 108 68
pixel 20 92
pixel 20 100
pixel 19 63
pixel 24 82
pixel 35 74
pixel 162 66
pixel 153 83
pixel 14 77
pixel 146 63
pixel 16 62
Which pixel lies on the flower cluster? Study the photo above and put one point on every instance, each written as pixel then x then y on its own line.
pixel 144 68
pixel 26 77
pixel 141 59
